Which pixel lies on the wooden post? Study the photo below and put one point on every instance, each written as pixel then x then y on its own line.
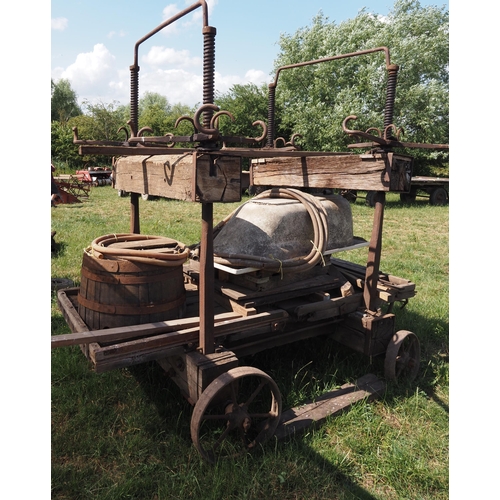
pixel 370 293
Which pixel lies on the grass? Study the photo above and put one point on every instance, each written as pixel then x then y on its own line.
pixel 125 434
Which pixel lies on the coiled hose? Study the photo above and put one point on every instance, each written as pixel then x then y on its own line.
pixel 319 221
pixel 175 256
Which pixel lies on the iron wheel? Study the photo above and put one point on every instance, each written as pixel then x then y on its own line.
pixel 237 412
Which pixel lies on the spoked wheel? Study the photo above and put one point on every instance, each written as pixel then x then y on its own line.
pixel 439 197
pixel 370 198
pixel 402 358
pixel 238 411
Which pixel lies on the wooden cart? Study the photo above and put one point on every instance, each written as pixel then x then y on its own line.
pixel 232 312
pixel 243 400
pixel 235 312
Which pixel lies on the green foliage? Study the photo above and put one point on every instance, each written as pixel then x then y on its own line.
pixel 64 153
pixel 101 121
pixel 153 112
pixel 160 116
pixel 247 103
pixel 63 101
pixel 316 99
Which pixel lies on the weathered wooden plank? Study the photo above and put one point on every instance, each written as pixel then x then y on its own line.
pixel 241 309
pixel 70 314
pixel 298 419
pixel 189 335
pixel 82 335
pixel 122 333
pixel 377 172
pixel 294 289
pixel 328 308
pixel 188 177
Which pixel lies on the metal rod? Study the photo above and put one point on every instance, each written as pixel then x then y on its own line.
pixel 134 213
pixel 134 69
pixel 370 292
pixel 207 280
pixel 134 94
pixel 272 86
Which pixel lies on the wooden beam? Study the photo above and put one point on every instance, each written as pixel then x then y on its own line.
pixel 368 172
pixel 188 177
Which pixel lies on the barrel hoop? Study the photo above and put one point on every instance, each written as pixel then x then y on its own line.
pixel 124 279
pixel 130 310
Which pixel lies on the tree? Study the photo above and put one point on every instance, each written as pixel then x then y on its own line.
pixel 315 99
pixel 63 102
pixel 153 111
pixel 247 103
pixel 63 151
pixel 101 121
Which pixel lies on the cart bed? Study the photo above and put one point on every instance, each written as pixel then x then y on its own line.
pixel 246 321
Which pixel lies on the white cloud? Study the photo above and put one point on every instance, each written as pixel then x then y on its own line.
pixel 94 76
pixel 168 12
pixel 192 19
pixel 161 56
pixel 91 73
pixel 59 23
pixel 177 85
pixel 257 76
pixel 224 82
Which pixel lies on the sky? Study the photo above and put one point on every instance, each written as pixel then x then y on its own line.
pixel 92 43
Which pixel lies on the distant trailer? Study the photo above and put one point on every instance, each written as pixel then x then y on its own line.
pixel 436 189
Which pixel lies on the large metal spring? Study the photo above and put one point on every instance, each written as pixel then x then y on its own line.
pixel 391 94
pixel 134 99
pixel 208 71
pixel 271 106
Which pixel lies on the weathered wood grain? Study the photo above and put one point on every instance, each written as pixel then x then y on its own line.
pixel 368 172
pixel 188 177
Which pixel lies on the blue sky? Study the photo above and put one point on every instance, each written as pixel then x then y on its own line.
pixel 92 42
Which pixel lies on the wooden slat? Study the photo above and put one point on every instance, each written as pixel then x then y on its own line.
pixel 305 416
pixel 296 289
pixel 190 335
pixel 119 334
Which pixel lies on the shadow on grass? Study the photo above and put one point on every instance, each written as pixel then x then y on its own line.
pixel 58 248
pixel 293 466
pixel 303 370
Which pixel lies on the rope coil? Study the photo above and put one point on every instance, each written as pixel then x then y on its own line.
pixel 173 256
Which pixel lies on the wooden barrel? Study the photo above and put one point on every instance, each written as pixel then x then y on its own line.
pixel 120 292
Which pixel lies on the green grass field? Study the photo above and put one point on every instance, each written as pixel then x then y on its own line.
pixel 124 434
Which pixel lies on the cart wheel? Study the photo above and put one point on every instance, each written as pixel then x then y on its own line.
pixel 239 410
pixel 402 357
pixel 439 197
pixel 145 196
pixel 370 198
pixel 122 193
pixel 350 195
